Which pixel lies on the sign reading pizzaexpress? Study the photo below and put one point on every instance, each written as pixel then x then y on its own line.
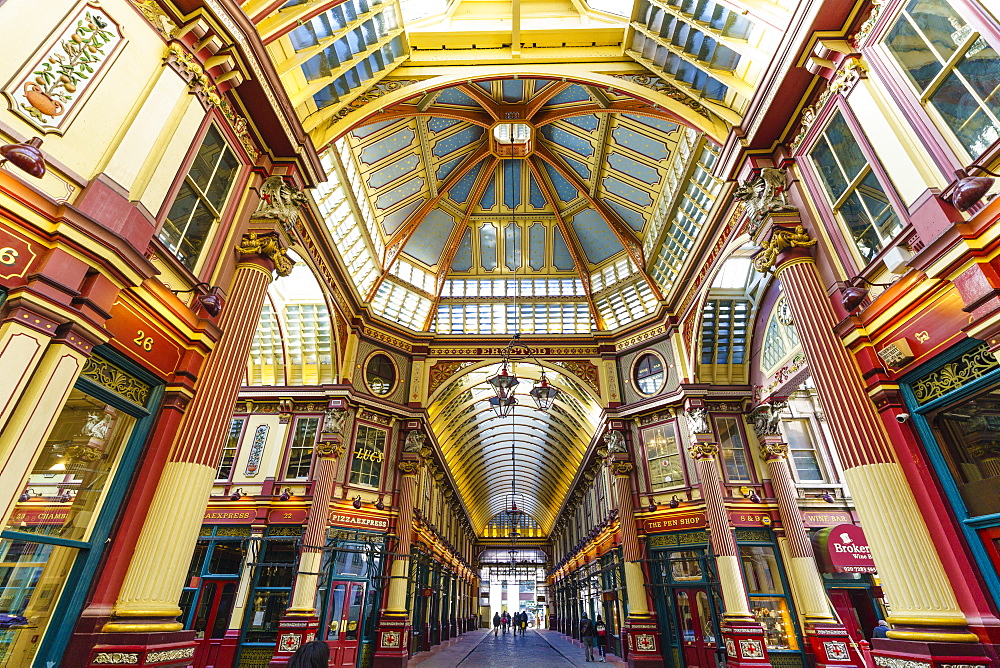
pixel 844 549
pixel 359 521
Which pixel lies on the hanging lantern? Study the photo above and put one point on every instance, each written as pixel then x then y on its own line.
pixel 543 394
pixel 502 407
pixel 504 383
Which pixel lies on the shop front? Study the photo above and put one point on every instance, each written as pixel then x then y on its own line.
pixel 59 528
pixel 955 403
pixel 688 601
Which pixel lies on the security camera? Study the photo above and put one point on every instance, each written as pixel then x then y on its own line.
pixel 902 417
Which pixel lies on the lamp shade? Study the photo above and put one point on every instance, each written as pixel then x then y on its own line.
pixel 852 297
pixel 26 156
pixel 503 407
pixel 970 189
pixel 544 394
pixel 212 301
pixel 504 383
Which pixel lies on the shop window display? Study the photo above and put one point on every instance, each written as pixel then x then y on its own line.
pixel 768 601
pixel 969 434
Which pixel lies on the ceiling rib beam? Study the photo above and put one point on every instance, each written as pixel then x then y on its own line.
pixel 540 100
pixel 603 133
pixel 636 107
pixel 395 243
pixel 411 110
pixel 599 96
pixel 625 234
pixel 572 242
pixel 483 98
pixel 457 232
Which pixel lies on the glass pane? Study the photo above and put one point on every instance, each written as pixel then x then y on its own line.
pixel 206 603
pixel 336 612
pixel 224 610
pixel 268 608
pixel 206 159
pixel 733 452
pixel 31 579
pixel 684 616
pixel 878 206
pixel 859 224
pixel 941 25
pixel 227 558
pixel 964 115
pixel 223 179
pixel 354 613
pixel 686 567
pixel 970 442
pixel 760 569
pixel 177 220
pixel 912 54
pixel 772 613
pixel 828 169
pixel 705 617
pixel 65 488
pixel 845 147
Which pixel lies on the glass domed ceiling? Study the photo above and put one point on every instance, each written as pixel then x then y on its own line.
pixel 511 204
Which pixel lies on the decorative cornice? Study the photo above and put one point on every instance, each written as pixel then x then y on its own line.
pixel 662 86
pixel 408 468
pixel 865 31
pixel 850 72
pixel 703 450
pixel 114 379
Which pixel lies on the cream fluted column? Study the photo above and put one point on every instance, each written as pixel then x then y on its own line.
pixel 635 580
pixel 924 607
pixel 148 602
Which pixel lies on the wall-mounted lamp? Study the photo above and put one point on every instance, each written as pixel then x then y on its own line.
pixel 652 505
pixel 854 293
pixel 25 156
pixel 674 501
pixel 750 493
pixel 357 502
pixel 237 494
pixel 60 465
pixel 828 497
pixel 210 297
pixel 27 495
pixel 380 505
pixel 286 494
pixel 970 189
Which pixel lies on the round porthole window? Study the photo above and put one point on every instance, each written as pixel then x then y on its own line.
pixel 649 373
pixel 380 374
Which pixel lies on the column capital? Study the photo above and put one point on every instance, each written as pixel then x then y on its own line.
pixel 621 468
pixel 773 450
pixel 703 450
pixel 267 247
pixel 332 449
pixel 786 242
pixel 408 467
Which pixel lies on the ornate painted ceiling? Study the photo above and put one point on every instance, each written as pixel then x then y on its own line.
pixel 459 219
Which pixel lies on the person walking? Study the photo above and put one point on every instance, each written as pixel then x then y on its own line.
pixel 602 638
pixel 524 622
pixel 496 622
pixel 588 635
pixel 505 621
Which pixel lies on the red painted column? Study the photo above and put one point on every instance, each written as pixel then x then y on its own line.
pixel 145 612
pixel 301 621
pixel 742 633
pixel 827 637
pixel 926 616
pixel 641 631
pixel 392 637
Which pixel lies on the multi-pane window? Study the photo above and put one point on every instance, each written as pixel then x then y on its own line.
pixel 301 449
pixel 802 450
pixel 649 373
pixel 232 444
pixel 853 188
pixel 664 455
pixel 780 338
pixel 733 450
pixel 768 599
pixel 201 199
pixel 952 68
pixel 724 331
pixel 369 451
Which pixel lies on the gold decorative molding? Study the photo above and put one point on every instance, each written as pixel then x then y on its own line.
pixel 270 246
pixel 84 453
pixel 335 450
pixel 861 36
pixel 769 451
pixel 781 239
pixel 388 339
pixel 621 468
pixel 972 365
pixel 584 370
pixel 114 379
pixel 408 468
pixel 151 10
pixel 850 72
pixel 117 658
pixel 703 450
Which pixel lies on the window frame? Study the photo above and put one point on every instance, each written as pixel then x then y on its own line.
pixel 843 241
pixel 812 433
pixel 210 249
pixel 634 372
pixel 236 449
pixel 395 369
pixel 686 480
pixel 741 432
pixel 923 116
pixel 382 472
pixel 288 446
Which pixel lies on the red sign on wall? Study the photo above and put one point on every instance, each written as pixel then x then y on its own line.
pixel 825 518
pixel 240 515
pixel 16 255
pixel 844 549
pixel 286 516
pixel 137 336
pixel 38 516
pixel 749 518
pixel 359 521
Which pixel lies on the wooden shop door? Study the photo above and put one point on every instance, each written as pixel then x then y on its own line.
pixel 211 621
pixel 343 629
pixel 699 638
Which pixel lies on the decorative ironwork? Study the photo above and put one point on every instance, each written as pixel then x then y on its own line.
pixel 585 371
pixel 974 364
pixel 845 78
pixel 781 239
pixel 753 536
pixel 170 654
pixel 668 89
pixel 112 378
pixel 116 658
pixel 231 531
pixel 153 13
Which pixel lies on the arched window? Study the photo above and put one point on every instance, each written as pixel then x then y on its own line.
pixel 780 338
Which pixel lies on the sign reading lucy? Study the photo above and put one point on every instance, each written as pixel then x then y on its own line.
pixel 844 549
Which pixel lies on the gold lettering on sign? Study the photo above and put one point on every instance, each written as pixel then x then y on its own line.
pixel 8 256
pixel 922 336
pixel 143 341
pixel 369 455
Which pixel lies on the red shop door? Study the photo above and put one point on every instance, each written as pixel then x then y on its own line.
pixel 343 629
pixel 211 621
pixel 698 635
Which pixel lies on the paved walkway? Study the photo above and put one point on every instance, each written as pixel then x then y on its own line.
pixel 481 649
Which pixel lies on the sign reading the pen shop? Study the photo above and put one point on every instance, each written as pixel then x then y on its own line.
pixel 237 515
pixel 675 522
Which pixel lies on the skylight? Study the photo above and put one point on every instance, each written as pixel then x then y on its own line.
pixel 733 275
